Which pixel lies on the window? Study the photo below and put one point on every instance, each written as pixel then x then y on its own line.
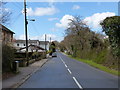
pixel 17 44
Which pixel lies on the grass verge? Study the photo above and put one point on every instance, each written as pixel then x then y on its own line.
pixel 99 66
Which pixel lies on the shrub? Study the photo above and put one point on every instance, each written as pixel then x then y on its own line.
pixel 7 58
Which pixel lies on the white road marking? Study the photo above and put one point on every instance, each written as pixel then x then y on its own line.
pixel 66 66
pixel 69 71
pixel 62 60
pixel 77 83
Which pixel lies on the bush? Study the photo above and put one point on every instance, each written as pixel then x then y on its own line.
pixel 7 58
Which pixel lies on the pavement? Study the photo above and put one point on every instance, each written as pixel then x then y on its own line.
pixel 24 74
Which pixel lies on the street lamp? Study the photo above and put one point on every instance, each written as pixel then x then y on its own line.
pixel 31 19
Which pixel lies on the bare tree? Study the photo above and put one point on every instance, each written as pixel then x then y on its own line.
pixel 4 14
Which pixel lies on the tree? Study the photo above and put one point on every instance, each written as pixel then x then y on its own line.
pixel 111 27
pixel 52 48
pixel 80 40
pixel 62 46
pixel 5 14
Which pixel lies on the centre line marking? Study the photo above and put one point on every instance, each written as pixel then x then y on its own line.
pixel 65 65
pixel 77 83
pixel 69 71
pixel 62 60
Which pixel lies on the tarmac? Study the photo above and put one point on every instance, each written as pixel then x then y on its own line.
pixel 23 75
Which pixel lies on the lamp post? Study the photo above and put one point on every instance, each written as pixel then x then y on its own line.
pixel 26 22
pixel 31 19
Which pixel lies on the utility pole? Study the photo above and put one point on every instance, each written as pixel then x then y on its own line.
pixel 50 39
pixel 26 33
pixel 45 42
pixel 45 47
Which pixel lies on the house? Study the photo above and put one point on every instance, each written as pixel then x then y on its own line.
pixel 32 48
pixel 7 35
pixel 22 43
pixel 18 44
pixel 42 44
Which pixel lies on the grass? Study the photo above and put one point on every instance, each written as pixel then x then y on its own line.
pixel 99 66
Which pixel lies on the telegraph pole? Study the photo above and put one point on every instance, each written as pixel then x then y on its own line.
pixel 45 42
pixel 50 39
pixel 26 32
pixel 45 46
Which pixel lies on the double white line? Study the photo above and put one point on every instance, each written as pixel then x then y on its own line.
pixel 78 84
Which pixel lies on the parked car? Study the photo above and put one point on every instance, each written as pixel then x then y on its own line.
pixel 54 54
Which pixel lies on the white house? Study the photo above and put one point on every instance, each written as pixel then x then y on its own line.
pixel 42 44
pixel 18 44
pixel 32 48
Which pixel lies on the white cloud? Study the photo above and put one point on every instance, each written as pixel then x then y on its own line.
pixel 75 7
pixel 21 37
pixel 54 29
pixel 95 19
pixel 41 11
pixel 64 21
pixel 51 2
pixel 52 19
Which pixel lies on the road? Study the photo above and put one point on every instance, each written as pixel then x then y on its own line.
pixel 64 72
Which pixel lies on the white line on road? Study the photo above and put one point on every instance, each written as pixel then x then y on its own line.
pixel 62 60
pixel 72 77
pixel 66 66
pixel 69 71
pixel 77 83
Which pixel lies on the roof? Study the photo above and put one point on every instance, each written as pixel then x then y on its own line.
pixel 24 41
pixel 34 47
pixel 6 29
pixel 43 42
pixel 31 41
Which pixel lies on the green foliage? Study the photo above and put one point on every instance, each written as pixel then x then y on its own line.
pixel 111 26
pixel 35 54
pixel 99 66
pixel 101 57
pixel 83 43
pixel 20 55
pixel 52 47
pixel 7 57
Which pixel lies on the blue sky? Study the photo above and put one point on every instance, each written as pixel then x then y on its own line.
pixel 52 18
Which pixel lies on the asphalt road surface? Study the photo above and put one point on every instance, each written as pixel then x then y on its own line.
pixel 64 72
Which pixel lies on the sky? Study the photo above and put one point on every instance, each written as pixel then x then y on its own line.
pixel 51 18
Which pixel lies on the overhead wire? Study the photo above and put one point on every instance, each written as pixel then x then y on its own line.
pixel 17 5
pixel 34 29
pixel 15 19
